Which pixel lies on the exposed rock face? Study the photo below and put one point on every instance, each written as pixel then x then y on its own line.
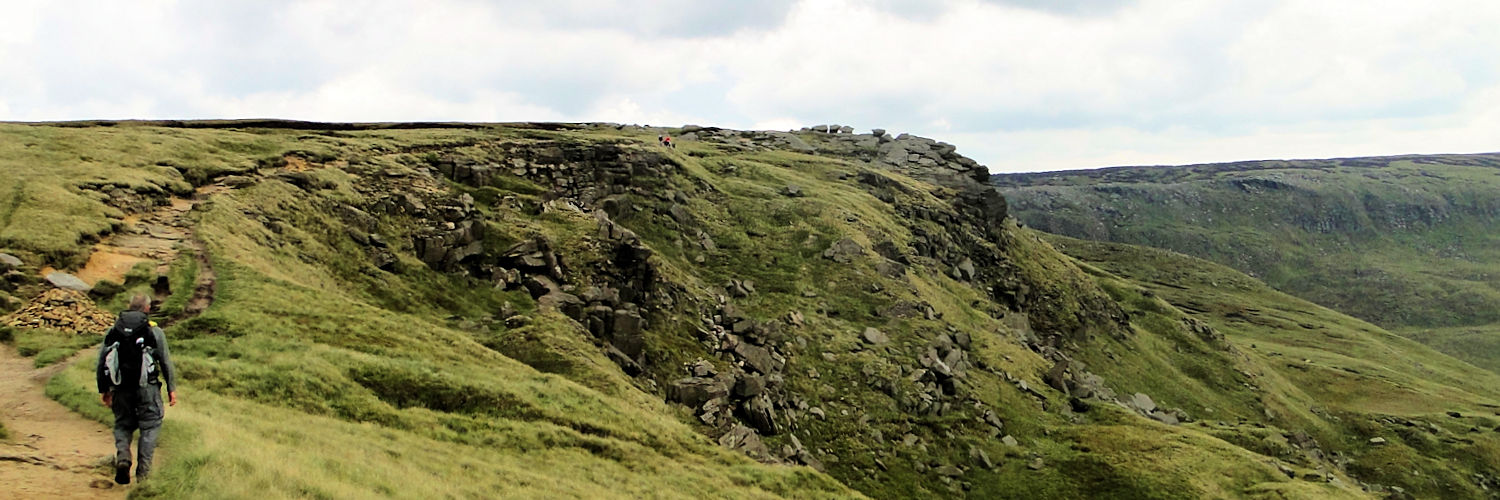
pixel 740 393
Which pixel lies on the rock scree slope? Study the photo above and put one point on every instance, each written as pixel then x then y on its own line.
pixel 572 310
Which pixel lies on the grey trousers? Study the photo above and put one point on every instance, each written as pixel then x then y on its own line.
pixel 137 409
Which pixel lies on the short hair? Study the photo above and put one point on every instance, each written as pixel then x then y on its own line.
pixel 140 302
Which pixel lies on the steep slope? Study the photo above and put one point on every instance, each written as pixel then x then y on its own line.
pixel 572 310
pixel 1410 243
pixel 1339 381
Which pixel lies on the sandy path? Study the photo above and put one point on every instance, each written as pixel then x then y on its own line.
pixel 52 452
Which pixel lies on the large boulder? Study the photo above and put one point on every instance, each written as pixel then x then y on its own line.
pixel 695 391
pixel 844 251
pixel 628 333
pixel 568 304
pixel 757 358
pixel 760 414
pixel 1142 402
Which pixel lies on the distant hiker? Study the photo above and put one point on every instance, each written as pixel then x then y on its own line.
pixel 666 140
pixel 133 354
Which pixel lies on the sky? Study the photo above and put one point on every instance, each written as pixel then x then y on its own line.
pixel 1019 85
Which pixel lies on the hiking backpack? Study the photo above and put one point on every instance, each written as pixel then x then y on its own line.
pixel 129 352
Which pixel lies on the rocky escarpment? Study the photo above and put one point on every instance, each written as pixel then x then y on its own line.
pixel 739 384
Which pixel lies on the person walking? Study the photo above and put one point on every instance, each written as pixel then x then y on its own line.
pixel 132 357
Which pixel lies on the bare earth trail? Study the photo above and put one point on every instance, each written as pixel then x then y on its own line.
pixel 53 452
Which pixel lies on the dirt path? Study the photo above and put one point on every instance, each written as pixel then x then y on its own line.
pixel 156 236
pixel 52 452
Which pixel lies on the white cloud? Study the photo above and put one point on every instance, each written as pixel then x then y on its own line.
pixel 1017 84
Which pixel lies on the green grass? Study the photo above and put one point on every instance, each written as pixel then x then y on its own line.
pixel 309 347
pixel 1408 243
pixel 1339 379
pixel 47 346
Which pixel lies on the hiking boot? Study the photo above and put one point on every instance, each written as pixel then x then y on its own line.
pixel 122 472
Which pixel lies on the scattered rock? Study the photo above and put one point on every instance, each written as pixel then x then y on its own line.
pixel 1010 440
pixel 1164 417
pixel 966 269
pixel 949 470
pixel 744 439
pixel 844 251
pixel 980 458
pixel 63 310
pixel 792 190
pixel 703 368
pixel 1377 441
pixel 9 262
pixel 875 337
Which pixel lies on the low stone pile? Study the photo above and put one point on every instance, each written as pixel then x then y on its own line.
pixel 62 310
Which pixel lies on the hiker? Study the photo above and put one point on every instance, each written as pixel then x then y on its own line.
pixel 133 355
pixel 666 140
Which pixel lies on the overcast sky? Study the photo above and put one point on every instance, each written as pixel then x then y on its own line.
pixel 1020 85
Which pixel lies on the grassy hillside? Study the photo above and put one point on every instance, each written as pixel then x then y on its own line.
pixel 1341 380
pixel 571 310
pixel 1409 243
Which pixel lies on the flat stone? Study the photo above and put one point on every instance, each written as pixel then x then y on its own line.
pixel 67 281
pixel 8 262
pixel 876 337
pixel 1377 441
